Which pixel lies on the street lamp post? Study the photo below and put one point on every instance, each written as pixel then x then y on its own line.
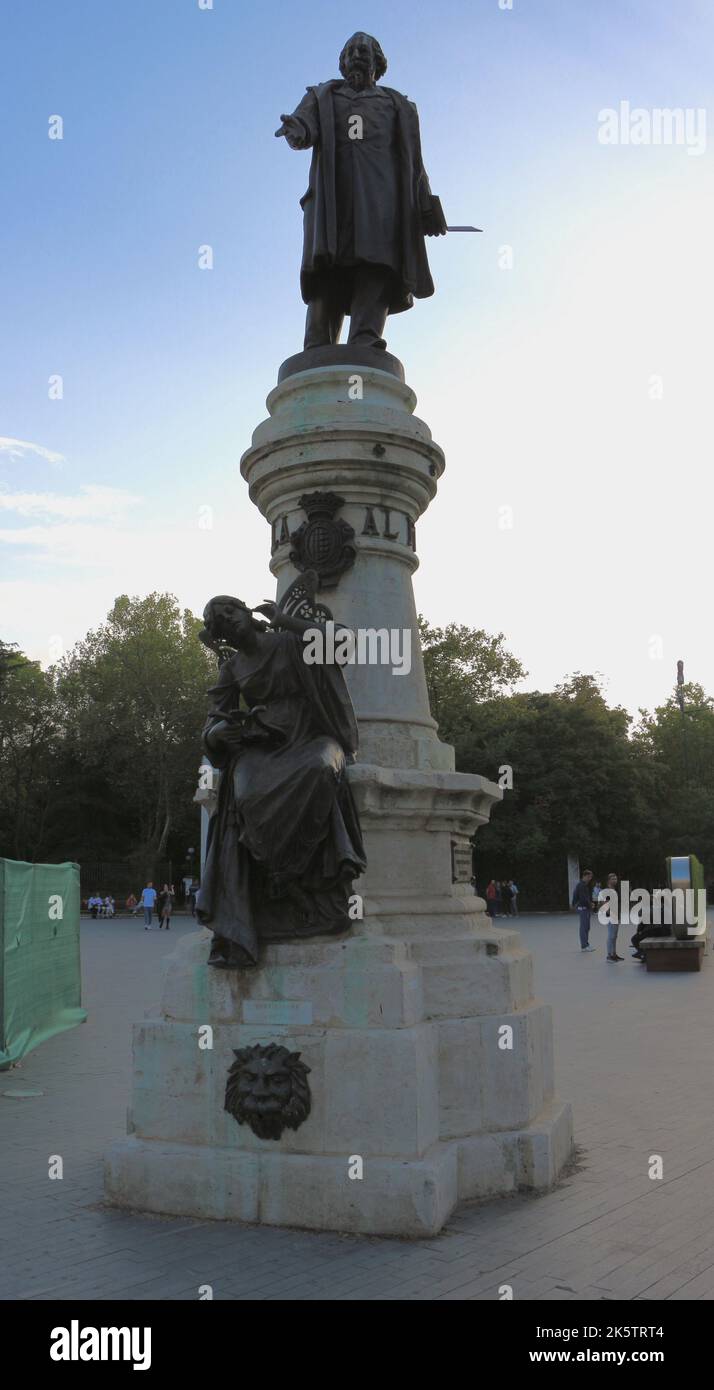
pixel 680 699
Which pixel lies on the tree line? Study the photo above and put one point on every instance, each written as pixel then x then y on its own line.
pixel 99 755
pixel 620 793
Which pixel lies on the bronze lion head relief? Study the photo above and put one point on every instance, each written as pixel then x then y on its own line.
pixel 267 1088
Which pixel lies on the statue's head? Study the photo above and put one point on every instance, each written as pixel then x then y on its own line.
pixel 227 620
pixel 362 61
pixel 268 1089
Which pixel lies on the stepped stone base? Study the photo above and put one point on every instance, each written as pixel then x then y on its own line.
pixel 315 1192
pixel 409 1075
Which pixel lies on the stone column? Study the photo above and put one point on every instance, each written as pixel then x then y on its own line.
pixel 351 434
pixel 431 1071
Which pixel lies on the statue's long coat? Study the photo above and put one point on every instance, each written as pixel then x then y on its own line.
pixel 319 203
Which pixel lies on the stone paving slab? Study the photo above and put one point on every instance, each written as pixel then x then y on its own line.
pixel 633 1054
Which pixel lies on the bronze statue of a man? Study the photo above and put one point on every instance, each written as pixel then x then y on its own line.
pixel 368 206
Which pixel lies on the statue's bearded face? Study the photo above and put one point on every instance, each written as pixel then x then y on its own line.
pixel 359 62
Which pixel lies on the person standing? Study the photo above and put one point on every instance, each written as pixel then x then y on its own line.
pixel 506 897
pixel 514 899
pixel 165 906
pixel 491 898
pixel 498 904
pixel 148 898
pixel 609 910
pixel 582 902
pixel 132 904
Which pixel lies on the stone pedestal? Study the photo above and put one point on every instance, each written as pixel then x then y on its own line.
pixel 431 1069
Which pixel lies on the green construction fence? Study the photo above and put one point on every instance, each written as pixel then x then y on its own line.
pixel 40 980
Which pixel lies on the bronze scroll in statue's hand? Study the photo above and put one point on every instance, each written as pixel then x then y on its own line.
pixel 233 731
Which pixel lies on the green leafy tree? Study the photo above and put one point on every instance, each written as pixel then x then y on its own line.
pixel 133 695
pixel 464 666
pixel 11 660
pixel 579 786
pixel 678 745
pixel 29 742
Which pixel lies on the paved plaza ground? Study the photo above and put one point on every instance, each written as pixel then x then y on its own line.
pixel 633 1054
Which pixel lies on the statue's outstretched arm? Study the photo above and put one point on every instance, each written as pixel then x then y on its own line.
pixel 302 128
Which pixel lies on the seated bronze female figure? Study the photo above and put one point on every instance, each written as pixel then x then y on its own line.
pixel 284 843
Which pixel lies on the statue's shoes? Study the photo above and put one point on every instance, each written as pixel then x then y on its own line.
pixel 229 956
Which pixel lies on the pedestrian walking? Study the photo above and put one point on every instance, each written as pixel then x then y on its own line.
pixel 94 905
pixel 148 898
pixel 132 904
pixel 582 902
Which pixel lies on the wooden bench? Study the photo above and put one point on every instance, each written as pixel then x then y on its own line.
pixel 669 953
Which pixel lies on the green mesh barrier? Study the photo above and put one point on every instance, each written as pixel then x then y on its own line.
pixel 40 982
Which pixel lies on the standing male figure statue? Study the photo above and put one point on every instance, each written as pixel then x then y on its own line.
pixel 368 206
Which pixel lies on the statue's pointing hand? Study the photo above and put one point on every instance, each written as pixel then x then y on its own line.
pixel 293 130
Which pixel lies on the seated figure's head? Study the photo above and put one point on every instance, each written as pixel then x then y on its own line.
pixel 227 620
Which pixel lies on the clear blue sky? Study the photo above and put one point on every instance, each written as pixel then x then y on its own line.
pixel 534 380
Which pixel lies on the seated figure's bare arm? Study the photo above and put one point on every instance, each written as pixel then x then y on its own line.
pixel 278 618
